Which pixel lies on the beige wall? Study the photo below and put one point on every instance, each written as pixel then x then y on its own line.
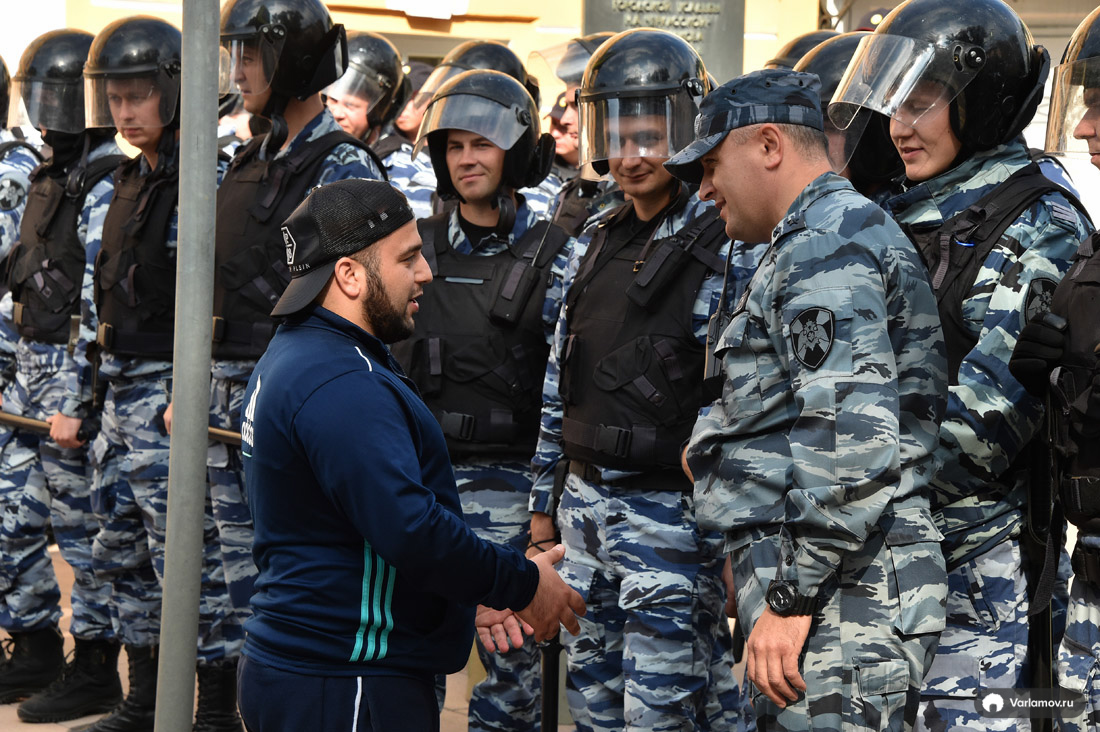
pixel 526 25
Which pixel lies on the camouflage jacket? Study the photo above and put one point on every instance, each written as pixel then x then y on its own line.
pixel 835 383
pixel 414 177
pixel 548 452
pixel 976 500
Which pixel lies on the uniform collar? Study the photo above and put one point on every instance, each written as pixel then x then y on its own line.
pixel 456 237
pixel 938 199
pixel 822 185
pixel 316 316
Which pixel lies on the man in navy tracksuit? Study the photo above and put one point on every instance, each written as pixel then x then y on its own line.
pixel 368 575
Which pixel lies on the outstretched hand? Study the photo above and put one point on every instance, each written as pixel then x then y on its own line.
pixel 499 628
pixel 555 603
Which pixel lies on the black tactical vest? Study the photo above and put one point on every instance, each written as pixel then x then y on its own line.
pixel 479 352
pixel 579 200
pixel 135 271
pixel 632 369
pixel 955 250
pixel 250 271
pixel 1075 406
pixel 48 261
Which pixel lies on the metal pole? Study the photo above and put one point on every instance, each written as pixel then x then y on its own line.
pixel 190 367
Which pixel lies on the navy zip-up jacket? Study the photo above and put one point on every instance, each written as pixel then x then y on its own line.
pixel 366 565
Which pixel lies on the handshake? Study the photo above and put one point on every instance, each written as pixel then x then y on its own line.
pixel 554 604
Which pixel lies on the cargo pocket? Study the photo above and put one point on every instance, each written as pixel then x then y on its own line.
pixel 877 695
pixel 920 573
pixel 637 374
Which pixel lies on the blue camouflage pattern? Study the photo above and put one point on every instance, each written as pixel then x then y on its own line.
pixel 229 378
pixel 494 494
pixel 42 481
pixel 130 482
pixel 989 422
pixel 654 651
pixel 414 177
pixel 1078 660
pixel 814 462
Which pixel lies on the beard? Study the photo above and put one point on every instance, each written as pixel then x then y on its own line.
pixel 388 323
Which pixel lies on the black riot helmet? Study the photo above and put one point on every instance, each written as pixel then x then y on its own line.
pixel 374 75
pixel 500 109
pixel 643 72
pixel 1075 95
pixel 48 87
pixel 566 61
pixel 5 90
pixel 871 159
pixel 796 48
pixel 479 55
pixel 977 57
pixel 134 59
pixel 299 49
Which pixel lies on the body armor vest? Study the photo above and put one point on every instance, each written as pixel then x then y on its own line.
pixel 955 250
pixel 135 271
pixel 631 367
pixel 1075 408
pixel 479 351
pixel 250 271
pixel 581 199
pixel 48 263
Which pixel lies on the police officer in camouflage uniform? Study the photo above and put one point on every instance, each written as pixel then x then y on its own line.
pixel 486 322
pixel 363 99
pixel 18 158
pixel 622 389
pixel 815 461
pixel 268 177
pixel 412 177
pixel 46 479
pixel 1067 344
pixel 958 91
pixel 133 80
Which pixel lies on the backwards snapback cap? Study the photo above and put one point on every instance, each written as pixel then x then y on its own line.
pixel 335 220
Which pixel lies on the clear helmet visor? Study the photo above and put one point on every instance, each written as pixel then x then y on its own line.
pixel 903 79
pixel 843 141
pixel 500 125
pixel 247 65
pixel 559 69
pixel 1073 123
pixel 50 105
pixel 130 101
pixel 625 127
pixel 357 84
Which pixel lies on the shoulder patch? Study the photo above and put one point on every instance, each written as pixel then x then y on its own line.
pixel 12 194
pixel 812 333
pixel 1040 293
pixel 1065 216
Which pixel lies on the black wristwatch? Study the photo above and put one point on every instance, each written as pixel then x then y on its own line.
pixel 784 599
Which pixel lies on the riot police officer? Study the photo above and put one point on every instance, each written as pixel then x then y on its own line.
pixel 957 90
pixel 484 330
pixel 364 98
pixel 1067 344
pixel 132 79
pixel 43 478
pixel 622 390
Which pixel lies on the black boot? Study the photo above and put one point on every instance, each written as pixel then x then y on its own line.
pixel 37 658
pixel 217 710
pixel 88 685
pixel 136 712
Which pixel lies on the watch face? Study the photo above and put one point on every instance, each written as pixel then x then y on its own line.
pixel 782 597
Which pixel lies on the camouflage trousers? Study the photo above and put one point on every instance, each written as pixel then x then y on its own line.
pixel 494 497
pixel 129 496
pixel 984 644
pixel 873 634
pixel 225 478
pixel 42 482
pixel 654 651
pixel 1079 653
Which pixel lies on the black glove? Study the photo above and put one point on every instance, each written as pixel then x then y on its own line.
pixel 1038 351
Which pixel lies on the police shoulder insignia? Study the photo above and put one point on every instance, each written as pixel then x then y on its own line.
pixel 1040 293
pixel 812 333
pixel 12 194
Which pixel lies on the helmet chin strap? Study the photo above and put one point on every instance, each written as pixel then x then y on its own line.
pixel 507 218
pixel 273 111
